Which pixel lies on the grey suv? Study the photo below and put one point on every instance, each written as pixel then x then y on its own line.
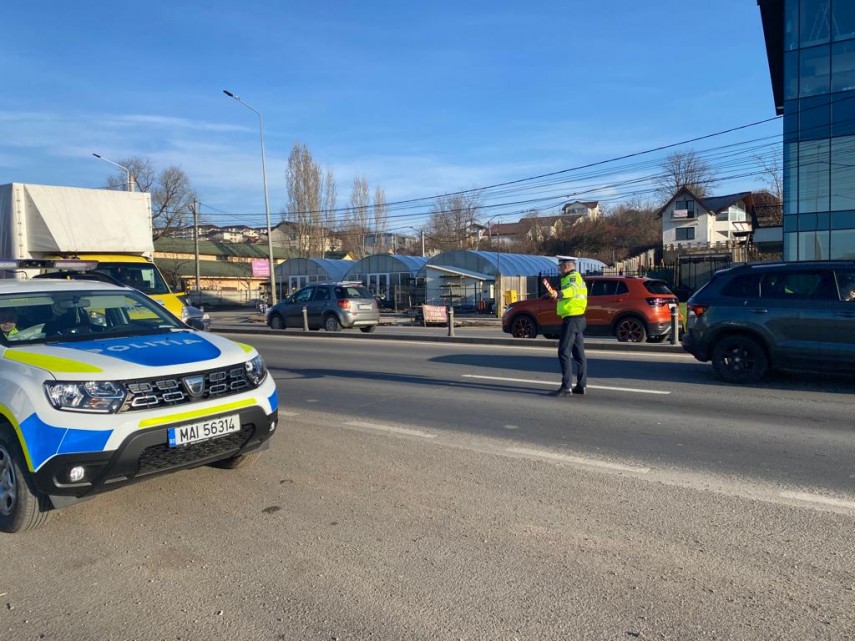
pixel 332 306
pixel 754 318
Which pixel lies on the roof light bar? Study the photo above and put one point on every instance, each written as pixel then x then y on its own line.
pixel 68 264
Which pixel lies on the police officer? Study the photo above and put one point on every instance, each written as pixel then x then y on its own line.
pixel 8 321
pixel 572 300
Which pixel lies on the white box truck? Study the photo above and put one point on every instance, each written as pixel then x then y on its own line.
pixel 44 222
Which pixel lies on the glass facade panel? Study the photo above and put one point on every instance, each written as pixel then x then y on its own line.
pixel 791 25
pixel 843 114
pixel 843 220
pixel 842 19
pixel 807 222
pixel 843 173
pixel 815 117
pixel 843 66
pixel 813 22
pixel 791 177
pixel 814 176
pixel 843 245
pixel 813 245
pixel 791 75
pixel 791 247
pixel 814 71
pixel 791 223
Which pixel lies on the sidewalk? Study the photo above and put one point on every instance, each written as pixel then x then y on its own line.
pixel 477 329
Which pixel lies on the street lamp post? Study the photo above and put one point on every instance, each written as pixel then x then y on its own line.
pixel 122 167
pixel 422 232
pixel 273 297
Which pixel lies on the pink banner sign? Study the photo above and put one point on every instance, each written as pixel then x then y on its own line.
pixel 260 267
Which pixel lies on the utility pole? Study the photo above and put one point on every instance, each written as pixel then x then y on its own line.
pixel 196 250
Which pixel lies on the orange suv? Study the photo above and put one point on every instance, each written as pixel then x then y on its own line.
pixel 633 309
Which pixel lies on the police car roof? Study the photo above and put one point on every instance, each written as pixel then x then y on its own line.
pixel 19 286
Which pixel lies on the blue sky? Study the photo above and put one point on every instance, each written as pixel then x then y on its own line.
pixel 419 98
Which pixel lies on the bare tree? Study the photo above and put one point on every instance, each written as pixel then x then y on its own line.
pixel 451 220
pixel 328 202
pixel 685 169
pixel 357 223
pixel 172 194
pixel 381 218
pixel 772 174
pixel 303 209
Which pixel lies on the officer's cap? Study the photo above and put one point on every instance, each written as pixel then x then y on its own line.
pixel 566 259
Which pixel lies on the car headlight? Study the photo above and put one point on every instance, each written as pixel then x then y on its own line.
pixel 185 313
pixel 104 397
pixel 255 370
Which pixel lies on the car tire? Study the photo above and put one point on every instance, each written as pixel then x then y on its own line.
pixel 235 462
pixel 368 330
pixel 277 322
pixel 552 337
pixel 630 330
pixel 331 323
pixel 739 359
pixel 524 326
pixel 21 506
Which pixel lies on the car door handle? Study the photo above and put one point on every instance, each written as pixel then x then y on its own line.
pixel 758 310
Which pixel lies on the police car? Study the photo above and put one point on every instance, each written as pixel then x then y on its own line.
pixel 100 386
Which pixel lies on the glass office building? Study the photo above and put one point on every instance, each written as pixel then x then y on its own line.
pixel 811 49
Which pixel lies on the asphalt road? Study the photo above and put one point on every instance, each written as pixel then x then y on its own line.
pixel 432 491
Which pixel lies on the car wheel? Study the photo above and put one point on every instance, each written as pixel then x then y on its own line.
pixel 277 322
pixel 739 359
pixel 630 330
pixel 523 326
pixel 21 506
pixel 241 460
pixel 368 330
pixel 331 323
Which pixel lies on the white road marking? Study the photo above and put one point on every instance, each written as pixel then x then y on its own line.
pixel 576 460
pixel 818 498
pixel 552 384
pixel 390 428
pixel 284 413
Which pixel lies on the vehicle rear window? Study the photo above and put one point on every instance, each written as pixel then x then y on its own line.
pixel 745 286
pixel 351 291
pixel 657 287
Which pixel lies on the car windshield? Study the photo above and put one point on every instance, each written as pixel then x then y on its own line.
pixel 142 276
pixel 55 316
pixel 657 287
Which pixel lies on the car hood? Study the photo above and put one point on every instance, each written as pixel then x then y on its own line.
pixel 132 356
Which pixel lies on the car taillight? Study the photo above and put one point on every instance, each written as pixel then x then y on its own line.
pixel 658 302
pixel 344 303
pixel 698 310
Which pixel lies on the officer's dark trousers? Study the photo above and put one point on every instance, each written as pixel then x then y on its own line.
pixel 571 347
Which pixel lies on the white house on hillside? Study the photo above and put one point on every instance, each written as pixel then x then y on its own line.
pixel 690 220
pixel 579 208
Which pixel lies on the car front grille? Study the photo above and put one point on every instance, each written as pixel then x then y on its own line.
pixel 187 388
pixel 161 457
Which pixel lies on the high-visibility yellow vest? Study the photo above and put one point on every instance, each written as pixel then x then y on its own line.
pixel 573 297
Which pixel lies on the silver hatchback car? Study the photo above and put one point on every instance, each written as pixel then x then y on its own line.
pixel 332 306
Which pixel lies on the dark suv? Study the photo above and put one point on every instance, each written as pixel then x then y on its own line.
pixel 753 318
pixel 332 306
pixel 633 309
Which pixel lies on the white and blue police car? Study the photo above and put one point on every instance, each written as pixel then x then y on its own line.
pixel 100 386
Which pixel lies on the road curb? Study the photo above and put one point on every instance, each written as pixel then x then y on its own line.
pixel 590 343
